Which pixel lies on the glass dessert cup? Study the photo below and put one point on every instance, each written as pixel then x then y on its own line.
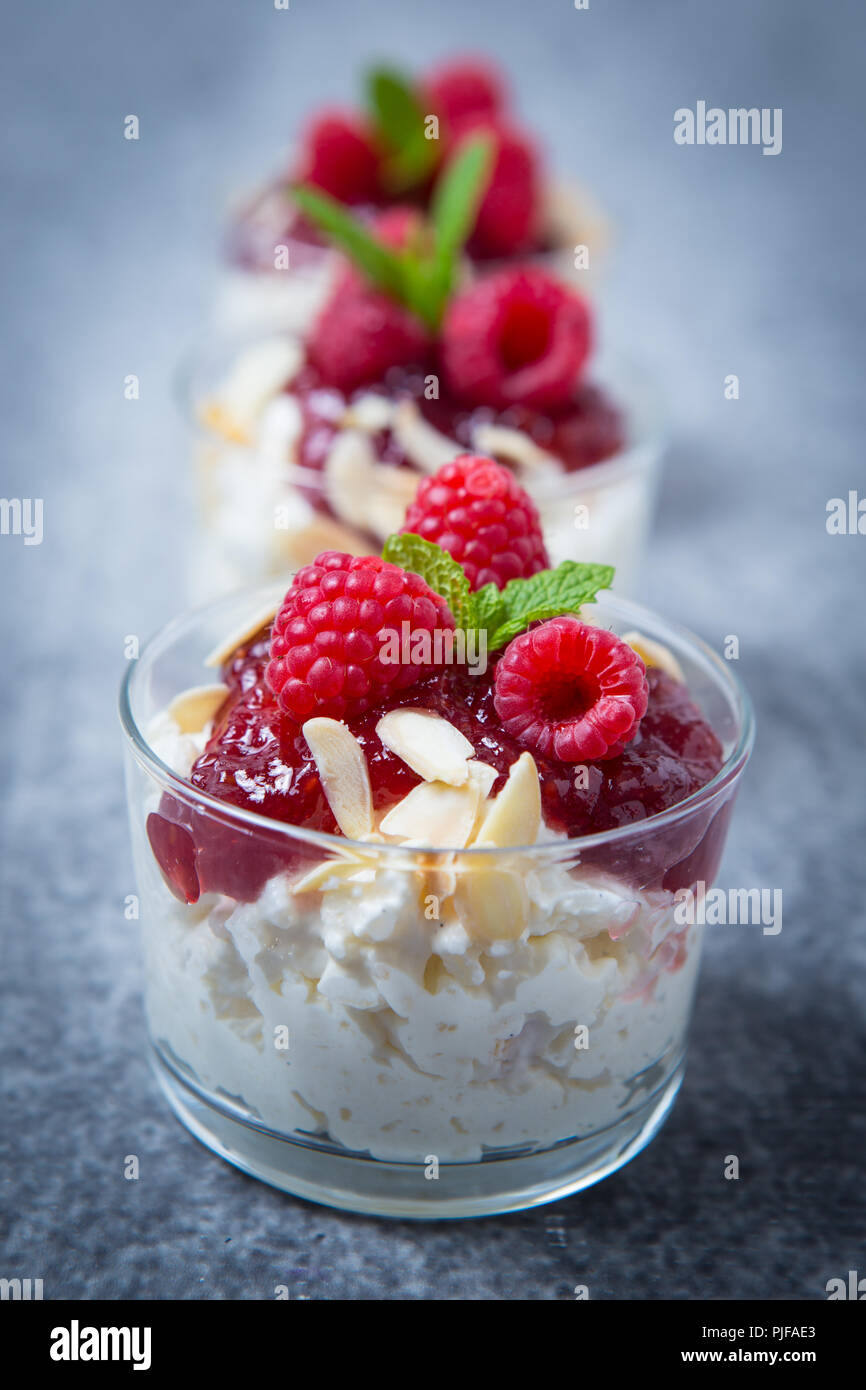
pixel 261 516
pixel 339 1029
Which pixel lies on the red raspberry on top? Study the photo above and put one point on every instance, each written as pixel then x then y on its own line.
pixel 465 87
pixel 477 511
pixel 571 691
pixel 518 337
pixel 327 644
pixel 508 217
pixel 360 332
pixel 339 156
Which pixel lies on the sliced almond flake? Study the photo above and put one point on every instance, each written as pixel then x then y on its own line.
pixel 440 878
pixel 422 444
pixel 345 777
pixel 573 217
pixel 370 413
pixel 346 474
pixel 218 421
pixel 361 491
pixel 428 744
pixel 391 491
pixel 259 373
pixel 435 814
pixel 492 903
pixel 302 544
pixel 484 775
pixel 654 654
pixel 514 445
pixel 514 817
pixel 230 644
pixel 330 870
pixel 193 709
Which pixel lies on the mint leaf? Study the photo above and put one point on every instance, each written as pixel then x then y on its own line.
pixel 381 265
pixel 457 196
pixel 501 613
pixel 546 595
pixel 421 277
pixel 445 576
pixel 490 609
pixel 399 122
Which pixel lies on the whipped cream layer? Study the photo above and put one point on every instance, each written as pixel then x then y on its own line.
pixel 409 1037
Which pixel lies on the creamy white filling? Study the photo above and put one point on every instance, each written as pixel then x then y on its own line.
pixel 408 1037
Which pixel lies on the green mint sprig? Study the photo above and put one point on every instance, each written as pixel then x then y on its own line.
pixel 422 276
pixel 500 613
pixel 398 120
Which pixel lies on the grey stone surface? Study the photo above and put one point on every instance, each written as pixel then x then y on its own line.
pixel 728 262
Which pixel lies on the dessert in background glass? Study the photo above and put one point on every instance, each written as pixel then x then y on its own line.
pixel 279 270
pixel 409 861
pixel 319 442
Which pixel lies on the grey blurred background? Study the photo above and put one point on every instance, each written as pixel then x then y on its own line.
pixel 727 261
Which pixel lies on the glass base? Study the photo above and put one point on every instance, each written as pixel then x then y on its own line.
pixel 370 1186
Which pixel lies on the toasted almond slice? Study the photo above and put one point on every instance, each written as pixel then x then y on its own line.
pixel 515 816
pixel 422 444
pixel 345 777
pixel 301 545
pixel 514 445
pixel 370 413
pixel 258 374
pixel 363 492
pixel 318 876
pixel 440 878
pixel 391 491
pixel 224 649
pixel 482 774
pixel 654 654
pixel 347 473
pixel 194 708
pixel 435 814
pixel 573 215
pixel 492 903
pixel 217 420
pixel 428 744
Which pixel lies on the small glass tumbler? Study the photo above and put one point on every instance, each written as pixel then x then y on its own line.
pixel 413 1032
pixel 261 516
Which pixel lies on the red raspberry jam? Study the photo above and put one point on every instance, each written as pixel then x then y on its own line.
pixel 587 431
pixel 257 759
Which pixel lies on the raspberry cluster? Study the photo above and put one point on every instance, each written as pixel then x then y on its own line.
pixel 341 154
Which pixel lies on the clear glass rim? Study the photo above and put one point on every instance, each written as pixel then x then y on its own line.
pixel 631 385
pixel 340 845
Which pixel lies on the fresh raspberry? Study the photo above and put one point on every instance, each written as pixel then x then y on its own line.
pixel 361 333
pixel 510 210
pixel 477 511
pixel 571 691
pixel 398 225
pixel 465 87
pixel 338 155
pixel 518 337
pixel 327 653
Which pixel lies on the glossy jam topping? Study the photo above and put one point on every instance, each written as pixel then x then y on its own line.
pixel 258 760
pixel 589 430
